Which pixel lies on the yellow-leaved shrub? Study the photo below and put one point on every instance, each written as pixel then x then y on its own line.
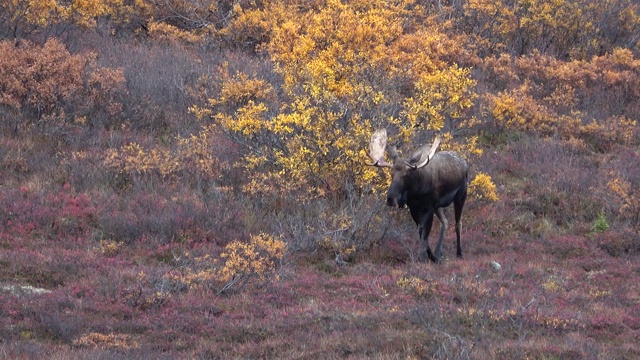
pixel 346 69
pixel 256 259
pixel 259 257
pixel 190 155
pixel 482 188
pixel 628 201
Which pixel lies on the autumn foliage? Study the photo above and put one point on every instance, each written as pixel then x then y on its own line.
pixel 48 84
pixel 187 179
pixel 339 85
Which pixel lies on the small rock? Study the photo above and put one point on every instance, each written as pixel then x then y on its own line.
pixel 495 265
pixel 19 290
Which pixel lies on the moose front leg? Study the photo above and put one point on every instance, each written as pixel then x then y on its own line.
pixel 425 230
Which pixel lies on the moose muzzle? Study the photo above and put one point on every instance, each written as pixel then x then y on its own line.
pixel 392 201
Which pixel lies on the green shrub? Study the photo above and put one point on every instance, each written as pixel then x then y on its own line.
pixel 601 224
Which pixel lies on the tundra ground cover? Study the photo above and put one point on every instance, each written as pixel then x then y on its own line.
pixel 556 294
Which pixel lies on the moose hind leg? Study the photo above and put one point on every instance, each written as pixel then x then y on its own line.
pixel 443 227
pixel 457 206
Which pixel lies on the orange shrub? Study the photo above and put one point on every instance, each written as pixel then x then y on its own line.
pixel 35 80
pixel 627 198
pixel 595 101
pixel 577 29
pixel 49 84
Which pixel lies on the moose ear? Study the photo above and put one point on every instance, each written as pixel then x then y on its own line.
pixel 424 154
pixel 428 154
pixel 417 155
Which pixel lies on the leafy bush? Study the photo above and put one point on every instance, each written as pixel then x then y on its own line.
pixel 237 264
pixel 338 86
pixel 106 341
pixel 568 28
pixel 47 84
pixel 482 187
pixel 601 224
pixel 20 18
pixel 259 258
pixel 588 100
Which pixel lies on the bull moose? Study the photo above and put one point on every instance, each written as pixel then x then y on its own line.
pixel 427 182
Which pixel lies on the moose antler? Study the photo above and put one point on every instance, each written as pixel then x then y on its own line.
pixel 376 148
pixel 424 160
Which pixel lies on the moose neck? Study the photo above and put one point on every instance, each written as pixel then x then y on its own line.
pixel 419 182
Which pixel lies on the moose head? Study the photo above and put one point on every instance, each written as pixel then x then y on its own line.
pixel 427 182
